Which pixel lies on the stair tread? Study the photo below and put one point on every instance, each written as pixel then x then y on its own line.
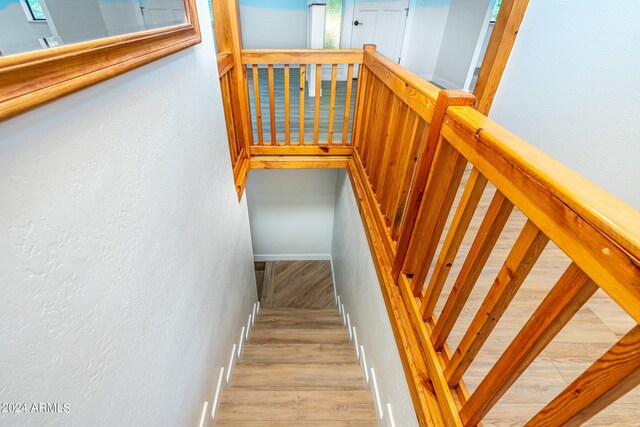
pixel 287 423
pixel 296 321
pixel 298 353
pixel 284 311
pixel 296 376
pixel 333 335
pixel 340 407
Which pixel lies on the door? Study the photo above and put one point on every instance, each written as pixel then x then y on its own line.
pixel 381 23
pixel 161 13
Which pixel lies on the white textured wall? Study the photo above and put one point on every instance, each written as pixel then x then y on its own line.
pixel 359 290
pixel 268 24
pixel 423 37
pixel 17 33
pixel 571 89
pixel 76 21
pixel 464 33
pixel 291 212
pixel 125 257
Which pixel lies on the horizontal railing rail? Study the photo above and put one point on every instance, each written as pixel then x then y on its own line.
pixel 421 160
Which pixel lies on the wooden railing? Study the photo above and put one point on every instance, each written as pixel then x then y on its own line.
pixel 413 152
pixel 305 126
pixel 235 127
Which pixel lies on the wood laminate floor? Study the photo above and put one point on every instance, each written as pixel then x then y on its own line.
pixel 297 368
pixel 296 284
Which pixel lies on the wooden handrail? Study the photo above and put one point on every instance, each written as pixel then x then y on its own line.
pixel 410 147
pixel 225 63
pixel 599 232
pixel 301 56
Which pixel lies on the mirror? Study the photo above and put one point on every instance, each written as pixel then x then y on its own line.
pixel 29 25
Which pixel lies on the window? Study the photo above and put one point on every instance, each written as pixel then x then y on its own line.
pixel 496 9
pixel 333 24
pixel 36 10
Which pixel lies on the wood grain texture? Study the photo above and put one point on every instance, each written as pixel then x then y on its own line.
pixel 301 106
pixel 300 406
pixel 521 259
pixel 569 294
pixel 299 162
pixel 298 284
pixel 295 376
pixel 302 56
pixel 503 37
pixel 582 219
pixel 298 353
pixel 611 376
pixel 486 238
pixel 31 79
pixel 297 368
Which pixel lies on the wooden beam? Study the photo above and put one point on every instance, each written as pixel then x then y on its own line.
pixel 225 63
pixel 419 94
pixel 299 162
pixel 302 56
pixel 307 150
pixel 503 37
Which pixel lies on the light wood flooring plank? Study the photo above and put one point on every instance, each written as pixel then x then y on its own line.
pixel 298 353
pixel 296 376
pixel 255 405
pixel 299 336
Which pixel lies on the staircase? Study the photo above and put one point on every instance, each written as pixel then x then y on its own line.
pixel 298 368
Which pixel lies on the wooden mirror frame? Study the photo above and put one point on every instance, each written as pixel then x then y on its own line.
pixel 30 79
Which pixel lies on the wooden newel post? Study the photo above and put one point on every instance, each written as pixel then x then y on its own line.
pixel 446 99
pixel 363 83
pixel 226 15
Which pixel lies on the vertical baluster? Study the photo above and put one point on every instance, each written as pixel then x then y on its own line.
pixel 446 98
pixel 303 78
pixel 390 178
pixel 369 101
pixel 610 377
pixel 391 149
pixel 247 108
pixel 347 104
pixel 287 108
pixel 332 102
pixel 457 230
pixel 568 295
pixel 256 91
pixel 521 259
pixel 228 116
pixel 494 221
pixel 272 105
pixel 439 195
pixel 384 147
pixel 375 126
pixel 316 119
pixel 406 168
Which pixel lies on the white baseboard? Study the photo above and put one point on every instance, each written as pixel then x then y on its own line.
pixel 385 416
pixel 291 257
pixel 226 373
